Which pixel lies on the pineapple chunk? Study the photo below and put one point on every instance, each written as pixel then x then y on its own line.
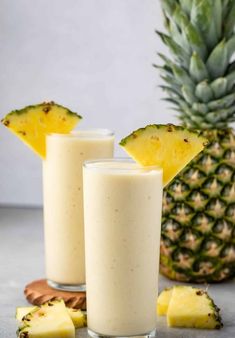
pixel 163 301
pixel 192 307
pixel 168 146
pixel 31 124
pixel 51 320
pixel 78 317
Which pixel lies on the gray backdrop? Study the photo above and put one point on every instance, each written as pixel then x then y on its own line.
pixel 95 56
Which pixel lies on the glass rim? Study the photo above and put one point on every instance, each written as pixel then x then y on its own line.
pixel 93 164
pixel 84 133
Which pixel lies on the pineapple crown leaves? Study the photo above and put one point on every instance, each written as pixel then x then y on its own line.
pixel 200 75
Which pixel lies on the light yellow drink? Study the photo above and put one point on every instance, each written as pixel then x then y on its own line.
pixel 63 203
pixel 122 208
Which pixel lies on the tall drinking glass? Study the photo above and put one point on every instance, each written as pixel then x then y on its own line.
pixel 63 203
pixel 122 210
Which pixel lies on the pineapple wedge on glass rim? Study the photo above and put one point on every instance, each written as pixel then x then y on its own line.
pixel 32 123
pixel 198 225
pixel 168 146
pixel 50 320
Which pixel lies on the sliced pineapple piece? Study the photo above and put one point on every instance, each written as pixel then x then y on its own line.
pixel 31 124
pixel 78 317
pixel 193 308
pixel 163 301
pixel 51 320
pixel 168 146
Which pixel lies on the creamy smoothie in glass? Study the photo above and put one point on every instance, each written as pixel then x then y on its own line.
pixel 122 210
pixel 63 203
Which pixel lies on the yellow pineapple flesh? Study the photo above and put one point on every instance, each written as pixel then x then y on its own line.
pixel 168 146
pixel 163 301
pixel 192 308
pixel 31 124
pixel 23 311
pixel 78 317
pixel 51 320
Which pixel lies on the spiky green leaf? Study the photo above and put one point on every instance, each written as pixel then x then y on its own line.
pixel 230 80
pixel 226 8
pixel 178 52
pixel 217 9
pixel 188 94
pixel 171 81
pixel 229 20
pixel 220 115
pixel 165 70
pixel 185 107
pixel 225 102
pixel 202 17
pixel 212 117
pixel 177 37
pixel 174 87
pixel 168 6
pixel 218 60
pixel 194 40
pixel 231 47
pixel 180 17
pixel 198 119
pixel 182 77
pixel 197 68
pixel 219 87
pixel 173 93
pixel 186 5
pixel 204 92
pixel 201 108
pixel 167 61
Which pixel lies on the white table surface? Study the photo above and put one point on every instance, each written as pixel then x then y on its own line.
pixel 22 261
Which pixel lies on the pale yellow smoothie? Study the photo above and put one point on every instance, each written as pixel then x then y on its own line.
pixel 63 202
pixel 122 208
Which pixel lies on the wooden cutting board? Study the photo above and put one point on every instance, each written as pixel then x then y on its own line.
pixel 38 292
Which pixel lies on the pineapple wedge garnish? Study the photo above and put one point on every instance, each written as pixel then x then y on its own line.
pixel 190 307
pixel 51 320
pixel 168 146
pixel 163 301
pixel 78 317
pixel 31 124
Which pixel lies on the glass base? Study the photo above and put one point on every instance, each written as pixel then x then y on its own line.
pixel 93 334
pixel 66 287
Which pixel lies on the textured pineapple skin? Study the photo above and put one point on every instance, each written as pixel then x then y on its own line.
pixel 192 308
pixel 198 223
pixel 163 301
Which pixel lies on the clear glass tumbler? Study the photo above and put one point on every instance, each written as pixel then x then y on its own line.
pixel 122 217
pixel 63 203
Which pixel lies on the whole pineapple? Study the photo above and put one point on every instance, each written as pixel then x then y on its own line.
pixel 198 226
